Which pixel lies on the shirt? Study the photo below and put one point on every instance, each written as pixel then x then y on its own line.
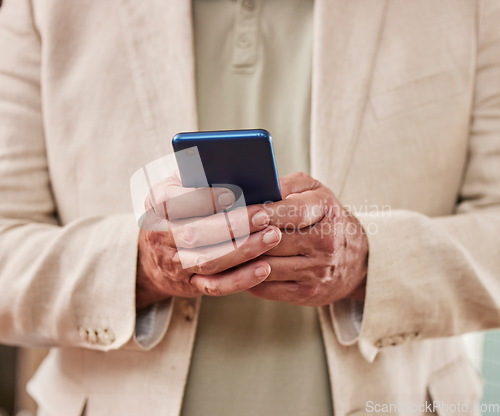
pixel 253 70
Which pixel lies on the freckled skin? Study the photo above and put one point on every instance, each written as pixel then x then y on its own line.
pixel 324 258
pixel 319 256
pixel 177 219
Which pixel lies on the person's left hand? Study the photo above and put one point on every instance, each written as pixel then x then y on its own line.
pixel 323 254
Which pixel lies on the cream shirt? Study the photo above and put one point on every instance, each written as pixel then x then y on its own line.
pixel 251 356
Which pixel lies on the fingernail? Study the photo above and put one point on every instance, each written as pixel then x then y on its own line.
pixel 226 199
pixel 261 271
pixel 270 237
pixel 260 219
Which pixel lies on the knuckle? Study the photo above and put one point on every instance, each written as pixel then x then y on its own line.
pixel 205 266
pixel 153 239
pixel 204 197
pixel 286 181
pixel 240 223
pixel 148 203
pixel 309 292
pixel 170 265
pixel 188 236
pixel 177 276
pixel 302 175
pixel 326 244
pixel 155 201
pixel 156 193
pixel 246 250
pixel 315 184
pixel 212 289
pixel 304 215
pixel 305 247
pixel 172 181
pixel 324 273
pixel 176 258
pixel 178 271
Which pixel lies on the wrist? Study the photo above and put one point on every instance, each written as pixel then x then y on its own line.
pixel 147 292
pixel 360 292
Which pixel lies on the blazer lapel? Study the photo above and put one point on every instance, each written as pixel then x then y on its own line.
pixel 159 36
pixel 346 37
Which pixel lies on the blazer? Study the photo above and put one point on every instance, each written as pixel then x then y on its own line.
pixel 405 115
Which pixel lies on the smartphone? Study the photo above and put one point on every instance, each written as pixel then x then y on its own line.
pixel 241 160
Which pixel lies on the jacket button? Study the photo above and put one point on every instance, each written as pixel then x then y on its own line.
pixel 413 335
pixel 106 336
pixel 382 342
pixel 83 333
pixel 92 337
pixel 398 339
pixel 389 341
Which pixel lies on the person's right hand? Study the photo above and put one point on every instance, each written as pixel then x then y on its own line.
pixel 193 221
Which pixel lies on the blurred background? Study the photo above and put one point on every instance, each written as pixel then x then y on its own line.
pixel 17 365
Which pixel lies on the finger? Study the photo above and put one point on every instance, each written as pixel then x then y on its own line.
pixel 318 239
pixel 294 243
pixel 206 231
pixel 298 210
pixel 297 182
pixel 293 268
pixel 155 196
pixel 217 228
pixel 279 291
pixel 150 221
pixel 232 281
pixel 210 260
pixel 174 202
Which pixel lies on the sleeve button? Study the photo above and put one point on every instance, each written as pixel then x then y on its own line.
pixel 106 336
pixel 398 339
pixel 83 333
pixel 413 335
pixel 93 337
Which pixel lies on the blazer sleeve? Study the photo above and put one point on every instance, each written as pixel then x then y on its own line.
pixel 439 277
pixel 71 285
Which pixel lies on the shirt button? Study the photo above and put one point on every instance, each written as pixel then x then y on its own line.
pixel 188 309
pixel 244 41
pixel 249 5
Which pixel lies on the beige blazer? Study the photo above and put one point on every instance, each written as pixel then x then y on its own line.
pixel 406 114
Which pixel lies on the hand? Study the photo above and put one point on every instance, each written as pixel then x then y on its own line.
pixel 180 228
pixel 323 253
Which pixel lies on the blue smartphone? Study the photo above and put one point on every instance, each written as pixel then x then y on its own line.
pixel 242 159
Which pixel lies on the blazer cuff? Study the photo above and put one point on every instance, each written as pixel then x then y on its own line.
pixel 390 315
pixel 151 324
pixel 105 321
pixel 347 315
